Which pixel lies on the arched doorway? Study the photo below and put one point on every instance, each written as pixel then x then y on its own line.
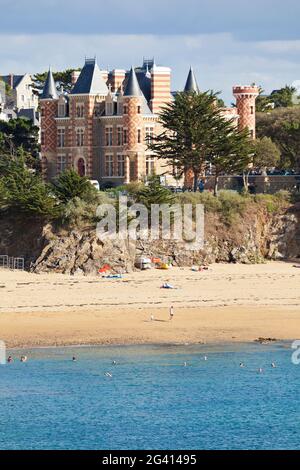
pixel 81 167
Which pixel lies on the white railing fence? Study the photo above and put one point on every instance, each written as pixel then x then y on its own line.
pixel 9 262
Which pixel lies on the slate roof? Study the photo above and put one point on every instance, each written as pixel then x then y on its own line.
pixel 16 79
pixel 132 88
pixel 90 81
pixel 191 85
pixel 49 91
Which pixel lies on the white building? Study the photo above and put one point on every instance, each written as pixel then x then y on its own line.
pixel 20 94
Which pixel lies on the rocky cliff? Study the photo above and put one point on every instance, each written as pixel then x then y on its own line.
pixel 251 238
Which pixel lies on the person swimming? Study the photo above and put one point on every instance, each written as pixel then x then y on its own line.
pixel 24 359
pixel 74 359
pixel 114 363
pixel 273 365
pixel 261 371
pixel 108 375
pixel 205 358
pixel 242 365
pixel 10 360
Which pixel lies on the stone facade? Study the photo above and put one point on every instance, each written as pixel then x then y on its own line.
pixel 102 127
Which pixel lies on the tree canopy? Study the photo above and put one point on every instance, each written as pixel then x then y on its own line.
pixel 63 78
pixel 283 127
pixel 285 97
pixel 20 134
pixel 69 185
pixel 266 153
pixel 196 134
pixel 21 189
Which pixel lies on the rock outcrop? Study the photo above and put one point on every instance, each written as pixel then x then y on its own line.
pixel 252 238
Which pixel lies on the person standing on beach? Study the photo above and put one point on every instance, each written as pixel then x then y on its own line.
pixel 171 313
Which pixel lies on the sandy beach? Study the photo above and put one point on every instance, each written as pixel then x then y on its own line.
pixel 225 303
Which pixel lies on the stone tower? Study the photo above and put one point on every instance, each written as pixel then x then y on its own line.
pixel 135 107
pixel 48 105
pixel 246 106
pixel 160 88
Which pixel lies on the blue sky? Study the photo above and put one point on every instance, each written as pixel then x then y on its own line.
pixel 227 41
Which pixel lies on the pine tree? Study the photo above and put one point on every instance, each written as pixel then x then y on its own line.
pixel 70 185
pixel 232 151
pixel 197 134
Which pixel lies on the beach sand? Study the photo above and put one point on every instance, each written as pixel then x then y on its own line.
pixel 226 303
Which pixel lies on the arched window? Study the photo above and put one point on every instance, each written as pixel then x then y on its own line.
pixel 81 167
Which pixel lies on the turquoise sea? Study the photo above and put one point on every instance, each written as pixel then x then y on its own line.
pixel 152 401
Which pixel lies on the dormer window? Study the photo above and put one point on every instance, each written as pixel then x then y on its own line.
pixel 125 110
pixel 139 110
pixel 109 109
pixel 80 110
pixel 62 110
pixel 120 109
pixel 97 110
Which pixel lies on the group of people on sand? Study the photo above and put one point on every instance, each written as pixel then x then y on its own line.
pixel 23 359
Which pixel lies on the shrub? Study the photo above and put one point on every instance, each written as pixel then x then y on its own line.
pixel 273 202
pixel 23 191
pixel 70 185
pixel 79 212
pixel 210 202
pixel 233 206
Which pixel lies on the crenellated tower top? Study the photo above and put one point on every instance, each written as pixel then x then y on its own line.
pixel 246 106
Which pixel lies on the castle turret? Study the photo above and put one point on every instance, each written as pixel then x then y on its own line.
pixel 48 105
pixel 134 108
pixel 191 85
pixel 246 106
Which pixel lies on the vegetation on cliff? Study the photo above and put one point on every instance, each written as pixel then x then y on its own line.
pixel 282 125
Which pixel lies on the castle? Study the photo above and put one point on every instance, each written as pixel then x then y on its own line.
pixel 102 127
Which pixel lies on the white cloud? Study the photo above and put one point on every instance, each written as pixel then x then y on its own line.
pixel 220 60
pixel 279 47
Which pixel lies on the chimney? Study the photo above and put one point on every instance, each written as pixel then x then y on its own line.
pixel 160 88
pixel 11 80
pixel 116 79
pixel 75 76
pixel 104 74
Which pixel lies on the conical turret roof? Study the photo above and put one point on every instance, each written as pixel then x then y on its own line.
pixel 191 85
pixel 132 86
pixel 49 91
pixel 133 89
